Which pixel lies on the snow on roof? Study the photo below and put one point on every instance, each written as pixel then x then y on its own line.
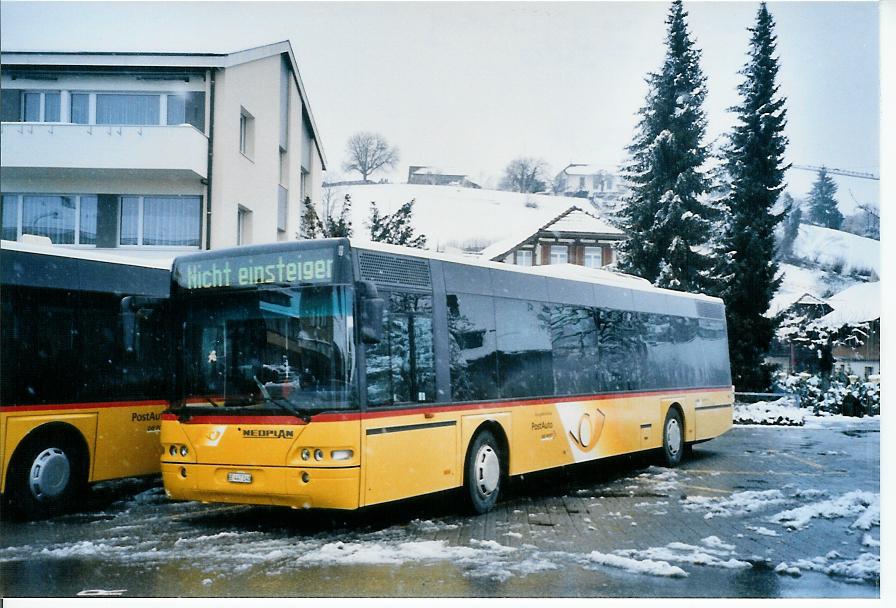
pixel 585 170
pixel 799 281
pixel 808 298
pixel 854 305
pixel 831 247
pixel 573 219
pixel 162 262
pixel 453 217
pixel 582 221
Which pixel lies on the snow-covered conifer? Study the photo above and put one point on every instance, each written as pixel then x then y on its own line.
pixel 396 228
pixel 822 204
pixel 665 215
pixel 754 159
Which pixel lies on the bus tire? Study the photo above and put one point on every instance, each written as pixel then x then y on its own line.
pixel 47 473
pixel 483 472
pixel 673 438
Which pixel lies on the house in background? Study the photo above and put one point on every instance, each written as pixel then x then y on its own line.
pixel 573 237
pixel 437 176
pixel 586 181
pixel 160 152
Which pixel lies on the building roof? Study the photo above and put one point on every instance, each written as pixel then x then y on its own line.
pixel 857 304
pixel 572 220
pixel 583 169
pixel 132 59
pixel 450 171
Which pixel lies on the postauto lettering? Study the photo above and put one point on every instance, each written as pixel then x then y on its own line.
pixel 304 267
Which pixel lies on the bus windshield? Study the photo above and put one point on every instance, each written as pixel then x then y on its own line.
pixel 288 348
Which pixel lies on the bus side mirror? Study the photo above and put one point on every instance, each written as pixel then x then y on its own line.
pixel 134 308
pixel 371 307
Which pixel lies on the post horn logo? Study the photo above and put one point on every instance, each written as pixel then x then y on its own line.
pixel 591 424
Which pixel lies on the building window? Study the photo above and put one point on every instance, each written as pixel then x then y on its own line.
pixel 177 109
pixel 80 108
pixel 581 183
pixel 127 109
pixel 247 133
pixel 523 257
pixel 282 208
pixel 594 257
pixel 160 221
pixel 66 219
pixel 559 254
pixel 243 226
pixel 44 106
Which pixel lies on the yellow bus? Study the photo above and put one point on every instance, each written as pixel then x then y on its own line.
pixel 326 374
pixel 81 398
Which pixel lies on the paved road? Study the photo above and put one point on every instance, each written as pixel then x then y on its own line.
pixel 613 529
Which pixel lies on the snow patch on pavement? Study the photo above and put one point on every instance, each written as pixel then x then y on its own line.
pixel 712 553
pixel 865 567
pixel 864 504
pixel 637 566
pixel 739 503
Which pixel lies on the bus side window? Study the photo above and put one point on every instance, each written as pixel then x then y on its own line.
pixel 401 367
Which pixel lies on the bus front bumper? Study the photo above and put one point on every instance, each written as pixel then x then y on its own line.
pixel 299 488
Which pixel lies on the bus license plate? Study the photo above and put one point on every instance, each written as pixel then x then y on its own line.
pixel 234 477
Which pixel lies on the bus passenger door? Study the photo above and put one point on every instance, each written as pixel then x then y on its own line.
pixel 409 449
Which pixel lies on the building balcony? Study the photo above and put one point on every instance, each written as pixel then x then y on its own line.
pixel 175 151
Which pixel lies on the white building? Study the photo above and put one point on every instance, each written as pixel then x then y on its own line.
pixel 157 152
pixel 586 181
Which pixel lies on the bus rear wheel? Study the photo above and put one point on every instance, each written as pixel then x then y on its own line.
pixel 673 438
pixel 484 472
pixel 46 475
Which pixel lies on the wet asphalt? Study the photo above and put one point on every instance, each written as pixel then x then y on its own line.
pixel 129 540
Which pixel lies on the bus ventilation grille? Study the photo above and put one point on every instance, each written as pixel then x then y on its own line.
pixel 393 270
pixel 709 310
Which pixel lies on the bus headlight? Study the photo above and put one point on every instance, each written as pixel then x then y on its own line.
pixel 318 454
pixel 172 450
pixel 306 453
pixel 342 454
pixel 183 450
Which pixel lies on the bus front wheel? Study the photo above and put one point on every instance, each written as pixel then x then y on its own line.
pixel 484 472
pixel 46 475
pixel 673 438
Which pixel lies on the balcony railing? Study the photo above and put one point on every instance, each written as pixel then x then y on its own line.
pixel 69 146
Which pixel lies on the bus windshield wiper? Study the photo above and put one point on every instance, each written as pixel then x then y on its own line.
pixel 213 402
pixel 282 403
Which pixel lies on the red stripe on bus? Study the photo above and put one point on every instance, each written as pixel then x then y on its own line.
pixel 79 406
pixel 334 417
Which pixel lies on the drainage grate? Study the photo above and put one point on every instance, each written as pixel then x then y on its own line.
pixel 385 269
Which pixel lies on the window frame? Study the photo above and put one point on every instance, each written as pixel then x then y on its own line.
pixel 42 106
pixel 20 214
pixel 140 222
pixel 552 254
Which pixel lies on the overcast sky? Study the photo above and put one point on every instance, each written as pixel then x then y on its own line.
pixel 470 86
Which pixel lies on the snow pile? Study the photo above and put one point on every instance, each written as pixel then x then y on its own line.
pixel 841 251
pixel 712 553
pixel 865 567
pixel 763 531
pixel 378 553
pixel 864 504
pixel 781 412
pixel 637 566
pixel 660 480
pixel 739 503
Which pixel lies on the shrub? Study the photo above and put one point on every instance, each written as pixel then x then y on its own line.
pixel 839 394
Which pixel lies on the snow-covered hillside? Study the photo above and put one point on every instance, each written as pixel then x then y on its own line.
pixel 824 263
pixel 837 250
pixel 459 218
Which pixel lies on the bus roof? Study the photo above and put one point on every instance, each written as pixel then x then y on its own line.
pixel 571 272
pixel 163 263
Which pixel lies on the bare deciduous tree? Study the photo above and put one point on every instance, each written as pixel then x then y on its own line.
pixel 525 174
pixel 368 152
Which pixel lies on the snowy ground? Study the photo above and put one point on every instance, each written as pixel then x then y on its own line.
pixel 759 512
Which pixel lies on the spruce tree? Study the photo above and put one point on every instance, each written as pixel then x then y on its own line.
pixel 395 228
pixel 312 227
pixel 754 160
pixel 822 204
pixel 667 220
pixel 793 212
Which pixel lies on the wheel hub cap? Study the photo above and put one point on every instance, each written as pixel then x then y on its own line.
pixel 673 436
pixel 488 470
pixel 50 472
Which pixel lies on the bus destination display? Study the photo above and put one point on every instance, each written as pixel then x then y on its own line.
pixel 314 266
